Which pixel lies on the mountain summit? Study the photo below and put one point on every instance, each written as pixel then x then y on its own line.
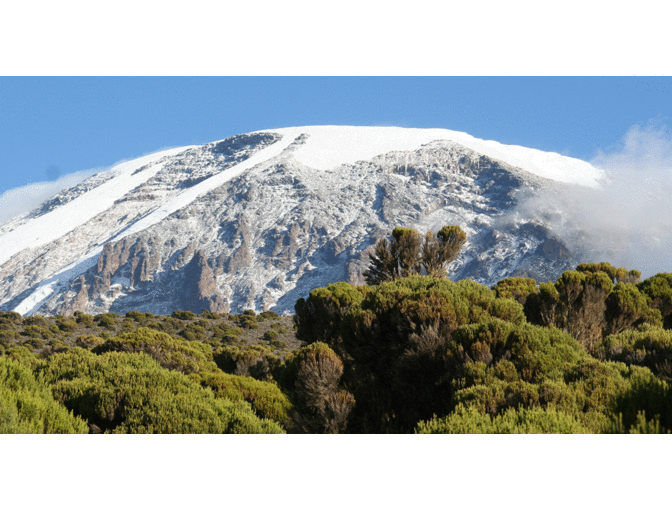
pixel 258 220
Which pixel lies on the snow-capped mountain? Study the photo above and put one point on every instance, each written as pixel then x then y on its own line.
pixel 258 220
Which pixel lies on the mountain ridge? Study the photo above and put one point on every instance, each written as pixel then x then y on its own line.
pixel 283 226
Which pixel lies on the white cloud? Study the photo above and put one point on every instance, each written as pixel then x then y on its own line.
pixel 17 201
pixel 627 221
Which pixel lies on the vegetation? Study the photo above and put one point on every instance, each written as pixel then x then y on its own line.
pixel 410 352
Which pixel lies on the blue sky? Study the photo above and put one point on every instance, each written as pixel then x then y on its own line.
pixel 52 126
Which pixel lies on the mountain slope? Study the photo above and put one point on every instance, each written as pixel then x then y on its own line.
pixel 258 220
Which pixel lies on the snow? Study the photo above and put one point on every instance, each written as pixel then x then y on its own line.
pixel 331 146
pixel 118 187
pixel 325 150
pixel 60 221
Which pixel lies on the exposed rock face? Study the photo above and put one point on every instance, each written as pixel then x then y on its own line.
pixel 272 233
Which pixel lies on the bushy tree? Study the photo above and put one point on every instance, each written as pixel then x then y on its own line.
pixel 408 254
pixel 124 392
pixel 392 340
pixel 658 290
pixel 312 378
pixel 468 420
pixel 28 407
pixel 170 352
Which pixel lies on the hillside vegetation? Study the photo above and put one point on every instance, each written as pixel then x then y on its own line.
pixel 589 353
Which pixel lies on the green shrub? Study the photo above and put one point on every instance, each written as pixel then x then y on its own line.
pixel 169 352
pixel 271 334
pixel 34 342
pixel 37 332
pixel 193 332
pixel 228 334
pixel 269 314
pixel 10 318
pixel 393 338
pixel 247 321
pixel 512 421
pixel 183 315
pixel 123 392
pixel 650 347
pixel 88 341
pixel 265 398
pixel 35 320
pixel 107 320
pixel 516 288
pixel 136 316
pixel 67 326
pixel 255 361
pixel 312 377
pixel 84 319
pixel 28 407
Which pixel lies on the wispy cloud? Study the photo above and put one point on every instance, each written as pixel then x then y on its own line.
pixel 17 201
pixel 626 221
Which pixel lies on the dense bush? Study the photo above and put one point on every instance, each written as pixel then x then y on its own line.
pixel 649 347
pixel 123 392
pixel 513 421
pixel 266 398
pixel 393 340
pixel 28 407
pixel 312 377
pixel 183 315
pixel 169 352
pixel 255 361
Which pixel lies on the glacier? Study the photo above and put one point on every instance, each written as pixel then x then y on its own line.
pixel 257 220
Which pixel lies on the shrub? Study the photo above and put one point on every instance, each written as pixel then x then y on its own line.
pixel 269 314
pixel 247 321
pixel 183 315
pixel 84 319
pixel 35 320
pixel 650 347
pixel 169 352
pixel 255 361
pixel 136 316
pixel 393 339
pixel 10 318
pixel 271 334
pixel 106 320
pixel 28 407
pixel 193 332
pixel 658 290
pixel 516 288
pixel 312 377
pixel 512 421
pixel 88 341
pixel 67 326
pixel 123 392
pixel 37 332
pixel 266 398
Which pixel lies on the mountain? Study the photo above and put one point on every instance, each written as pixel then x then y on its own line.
pixel 258 220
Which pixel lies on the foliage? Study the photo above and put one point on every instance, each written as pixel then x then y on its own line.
pixel 658 290
pixel 183 315
pixel 312 377
pixel 650 347
pixel 516 288
pixel 169 352
pixel 407 254
pixel 467 420
pixel 267 400
pixel 255 361
pixel 28 407
pixel 124 392
pixel 392 339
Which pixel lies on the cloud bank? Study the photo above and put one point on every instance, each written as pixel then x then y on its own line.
pixel 627 221
pixel 17 201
